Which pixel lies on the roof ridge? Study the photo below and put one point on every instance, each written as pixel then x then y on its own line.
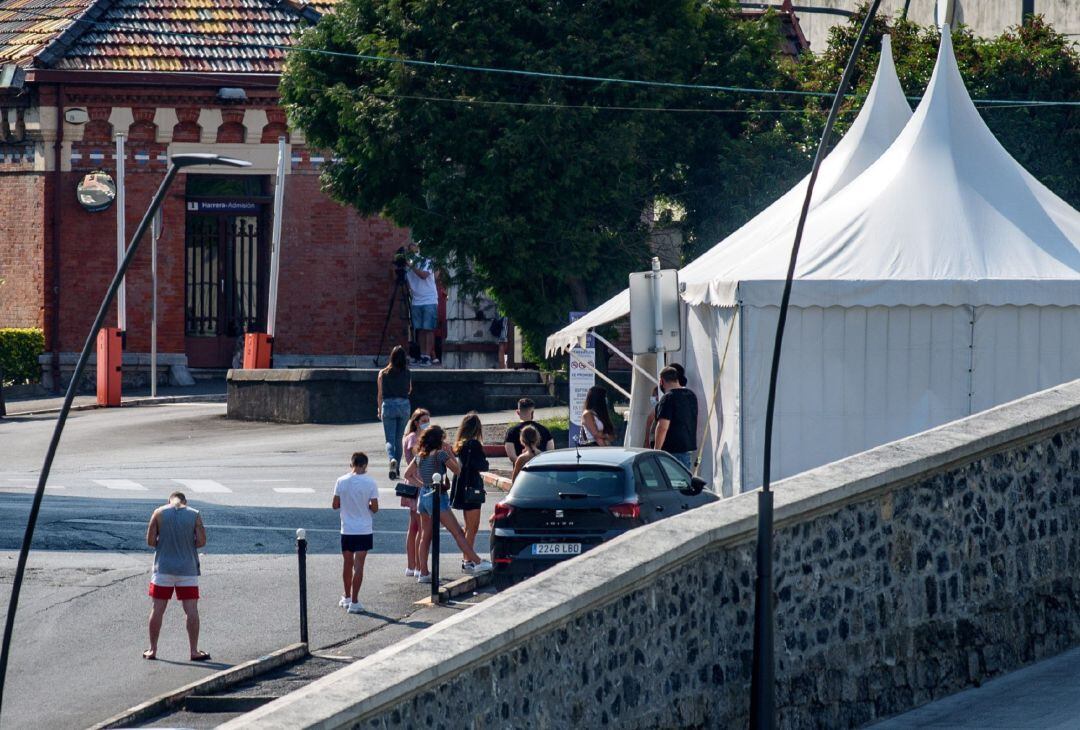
pixel 301 8
pixel 66 38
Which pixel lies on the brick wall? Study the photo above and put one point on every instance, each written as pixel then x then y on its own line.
pixel 336 276
pixel 88 262
pixel 22 249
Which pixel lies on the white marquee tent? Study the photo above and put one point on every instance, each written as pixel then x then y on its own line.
pixel 941 280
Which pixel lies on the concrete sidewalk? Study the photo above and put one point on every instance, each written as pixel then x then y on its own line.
pixel 1043 695
pixel 203 390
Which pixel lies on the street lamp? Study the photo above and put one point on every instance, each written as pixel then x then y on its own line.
pixel 176 163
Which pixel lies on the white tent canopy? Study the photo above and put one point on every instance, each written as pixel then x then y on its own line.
pixel 944 216
pixel 882 117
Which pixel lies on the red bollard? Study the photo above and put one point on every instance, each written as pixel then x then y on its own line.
pixel 110 355
pixel 257 350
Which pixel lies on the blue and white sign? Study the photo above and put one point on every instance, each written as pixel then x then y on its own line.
pixel 581 378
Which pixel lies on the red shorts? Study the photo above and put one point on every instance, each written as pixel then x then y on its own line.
pixel 183 593
pixel 186 587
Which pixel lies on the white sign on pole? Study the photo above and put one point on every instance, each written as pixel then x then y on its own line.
pixel 646 288
pixel 581 379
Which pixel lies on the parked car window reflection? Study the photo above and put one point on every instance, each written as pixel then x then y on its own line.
pixel 545 483
pixel 649 476
pixel 675 473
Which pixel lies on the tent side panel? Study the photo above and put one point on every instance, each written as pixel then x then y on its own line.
pixel 706 333
pixel 851 378
pixel 1022 350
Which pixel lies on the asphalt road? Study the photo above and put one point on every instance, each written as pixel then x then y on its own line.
pixel 81 623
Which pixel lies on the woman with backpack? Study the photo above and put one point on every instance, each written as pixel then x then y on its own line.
pixel 433 458
pixel 467 493
pixel 393 388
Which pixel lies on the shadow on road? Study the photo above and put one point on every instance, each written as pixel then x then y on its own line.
pixel 81 523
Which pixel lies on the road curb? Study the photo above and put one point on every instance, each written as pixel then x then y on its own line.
pixel 134 402
pixel 464 585
pixel 214 683
pixel 495 481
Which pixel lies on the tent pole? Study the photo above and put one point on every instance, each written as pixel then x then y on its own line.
pixel 763 677
pixel 620 353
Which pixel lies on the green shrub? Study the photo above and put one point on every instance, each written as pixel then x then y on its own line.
pixel 19 350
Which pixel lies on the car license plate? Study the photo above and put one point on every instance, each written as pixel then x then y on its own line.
pixel 556 548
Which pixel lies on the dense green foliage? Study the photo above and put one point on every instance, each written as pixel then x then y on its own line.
pixel 522 185
pixel 531 190
pixel 19 350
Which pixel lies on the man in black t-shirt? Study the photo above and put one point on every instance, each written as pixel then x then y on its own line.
pixel 676 419
pixel 512 440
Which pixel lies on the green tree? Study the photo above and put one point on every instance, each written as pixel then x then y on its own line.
pixel 531 188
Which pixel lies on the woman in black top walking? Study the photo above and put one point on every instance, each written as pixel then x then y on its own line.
pixel 467 494
pixel 394 386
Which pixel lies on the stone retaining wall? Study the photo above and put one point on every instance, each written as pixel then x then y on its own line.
pixel 902 574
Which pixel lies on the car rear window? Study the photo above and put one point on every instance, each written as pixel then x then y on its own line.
pixel 548 483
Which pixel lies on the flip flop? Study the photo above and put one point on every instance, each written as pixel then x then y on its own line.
pixel 149 655
pixel 202 656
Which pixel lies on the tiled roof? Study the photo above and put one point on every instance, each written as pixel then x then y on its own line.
pixel 231 36
pixel 27 26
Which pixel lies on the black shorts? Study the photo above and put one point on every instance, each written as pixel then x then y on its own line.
pixel 356 543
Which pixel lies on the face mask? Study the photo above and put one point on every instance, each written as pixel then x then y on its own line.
pixel 424 425
pixel 653 401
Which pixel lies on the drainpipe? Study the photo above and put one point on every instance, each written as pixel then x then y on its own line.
pixel 54 325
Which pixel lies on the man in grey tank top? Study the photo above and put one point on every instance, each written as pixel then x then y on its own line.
pixel 176 533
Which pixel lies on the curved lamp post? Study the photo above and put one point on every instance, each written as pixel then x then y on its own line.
pixel 176 163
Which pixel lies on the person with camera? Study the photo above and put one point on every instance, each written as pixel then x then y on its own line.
pixel 424 294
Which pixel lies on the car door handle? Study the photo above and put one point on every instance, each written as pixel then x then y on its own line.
pixel 686 506
pixel 659 508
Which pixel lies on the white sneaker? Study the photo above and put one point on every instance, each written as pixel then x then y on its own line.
pixel 424 578
pixel 484 566
pixel 344 602
pixel 467 566
pixel 393 470
pixel 410 573
pixel 356 607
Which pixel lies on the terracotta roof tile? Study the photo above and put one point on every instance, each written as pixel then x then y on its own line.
pixel 234 36
pixel 27 26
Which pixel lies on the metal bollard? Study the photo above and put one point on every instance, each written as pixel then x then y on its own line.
pixel 436 514
pixel 301 557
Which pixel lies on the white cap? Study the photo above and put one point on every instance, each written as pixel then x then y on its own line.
pixel 301 534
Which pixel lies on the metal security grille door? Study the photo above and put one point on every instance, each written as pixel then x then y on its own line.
pixel 225 261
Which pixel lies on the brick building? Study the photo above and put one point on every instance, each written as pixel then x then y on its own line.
pixel 175 76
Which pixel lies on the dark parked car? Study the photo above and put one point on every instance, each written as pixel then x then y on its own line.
pixel 567 501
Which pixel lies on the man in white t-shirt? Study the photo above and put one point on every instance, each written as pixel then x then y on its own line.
pixel 425 303
pixel 356 495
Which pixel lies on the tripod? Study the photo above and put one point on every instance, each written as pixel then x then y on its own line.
pixel 400 287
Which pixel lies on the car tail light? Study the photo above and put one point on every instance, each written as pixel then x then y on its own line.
pixel 630 510
pixel 502 509
pixel 502 561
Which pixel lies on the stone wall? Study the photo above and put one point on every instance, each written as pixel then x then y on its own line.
pixel 903 574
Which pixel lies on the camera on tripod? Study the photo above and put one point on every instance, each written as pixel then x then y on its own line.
pixel 401 263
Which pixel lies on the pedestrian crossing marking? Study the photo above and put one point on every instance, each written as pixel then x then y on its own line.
pixel 204 486
pixel 122 484
pixel 294 490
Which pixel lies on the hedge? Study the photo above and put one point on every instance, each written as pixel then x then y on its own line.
pixel 19 350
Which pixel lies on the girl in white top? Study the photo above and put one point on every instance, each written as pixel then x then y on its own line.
pixel 596 424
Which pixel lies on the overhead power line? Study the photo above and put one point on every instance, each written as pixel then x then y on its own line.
pixel 212 39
